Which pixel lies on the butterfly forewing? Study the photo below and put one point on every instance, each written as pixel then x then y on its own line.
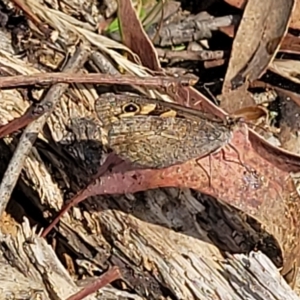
pixel 147 139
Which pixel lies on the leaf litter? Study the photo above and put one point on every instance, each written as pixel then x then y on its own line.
pixel 265 190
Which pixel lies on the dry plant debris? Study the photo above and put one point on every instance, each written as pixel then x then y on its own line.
pixel 205 228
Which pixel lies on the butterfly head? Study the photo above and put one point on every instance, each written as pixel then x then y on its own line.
pixel 233 121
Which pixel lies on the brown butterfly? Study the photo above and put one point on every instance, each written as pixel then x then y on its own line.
pixel 157 134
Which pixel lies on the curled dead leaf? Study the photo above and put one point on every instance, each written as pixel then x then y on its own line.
pixel 251 113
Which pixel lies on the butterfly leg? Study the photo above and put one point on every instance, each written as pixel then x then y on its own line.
pixel 244 129
pixel 240 160
pixel 205 171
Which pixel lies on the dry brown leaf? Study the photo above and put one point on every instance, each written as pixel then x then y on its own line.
pixel 251 113
pixel 257 40
pixel 264 190
pixel 287 68
pixel 295 19
pixel 134 37
pixel 290 44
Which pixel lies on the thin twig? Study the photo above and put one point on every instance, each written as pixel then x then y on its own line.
pixel 108 277
pixel 36 110
pixel 51 78
pixel 32 130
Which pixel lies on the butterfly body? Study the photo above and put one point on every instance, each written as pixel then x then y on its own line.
pixel 157 134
